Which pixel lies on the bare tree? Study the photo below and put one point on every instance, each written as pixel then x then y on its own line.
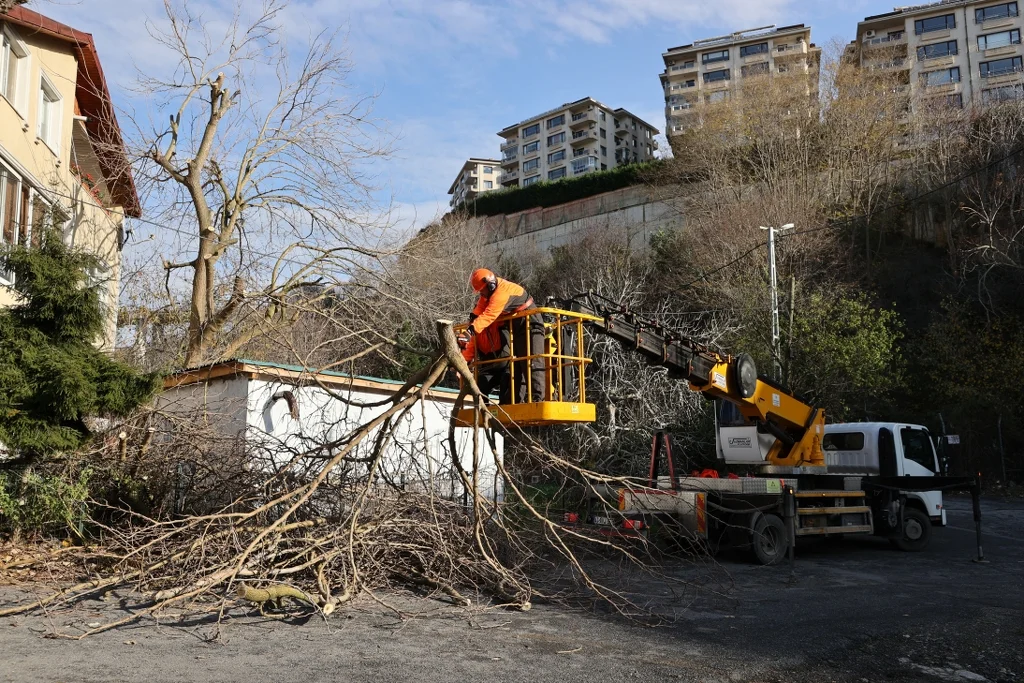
pixel 261 164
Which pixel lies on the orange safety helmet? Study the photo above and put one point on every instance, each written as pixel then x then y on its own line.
pixel 481 278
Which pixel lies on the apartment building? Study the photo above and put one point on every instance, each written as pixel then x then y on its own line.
pixel 953 52
pixel 476 177
pixel 61 153
pixel 711 70
pixel 576 138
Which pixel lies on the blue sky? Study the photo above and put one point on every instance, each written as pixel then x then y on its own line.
pixel 451 73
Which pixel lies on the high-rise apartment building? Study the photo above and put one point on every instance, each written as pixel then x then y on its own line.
pixel 953 52
pixel 711 70
pixel 476 177
pixel 573 139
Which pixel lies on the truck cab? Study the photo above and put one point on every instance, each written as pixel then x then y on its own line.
pixel 887 449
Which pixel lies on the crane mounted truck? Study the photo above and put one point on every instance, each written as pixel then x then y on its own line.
pixel 806 477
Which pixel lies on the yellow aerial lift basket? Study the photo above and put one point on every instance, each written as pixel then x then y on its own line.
pixel 565 371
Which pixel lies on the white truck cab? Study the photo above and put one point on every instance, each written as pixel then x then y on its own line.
pixel 888 449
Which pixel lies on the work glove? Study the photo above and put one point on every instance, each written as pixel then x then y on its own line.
pixel 464 337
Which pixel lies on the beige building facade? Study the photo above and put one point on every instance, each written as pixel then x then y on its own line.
pixel 571 140
pixel 711 70
pixel 954 53
pixel 62 157
pixel 476 177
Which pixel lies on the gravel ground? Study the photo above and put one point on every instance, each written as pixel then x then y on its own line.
pixel 854 610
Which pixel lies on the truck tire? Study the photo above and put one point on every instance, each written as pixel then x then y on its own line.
pixel 917 531
pixel 769 542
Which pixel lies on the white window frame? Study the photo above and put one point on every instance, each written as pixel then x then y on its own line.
pixel 51 136
pixel 17 46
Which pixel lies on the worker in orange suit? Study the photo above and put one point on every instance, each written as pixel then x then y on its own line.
pixel 485 340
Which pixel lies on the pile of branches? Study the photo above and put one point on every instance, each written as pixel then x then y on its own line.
pixel 327 525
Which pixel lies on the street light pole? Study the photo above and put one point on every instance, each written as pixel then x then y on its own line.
pixel 776 351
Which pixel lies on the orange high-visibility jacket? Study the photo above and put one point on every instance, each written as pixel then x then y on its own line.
pixel 508 297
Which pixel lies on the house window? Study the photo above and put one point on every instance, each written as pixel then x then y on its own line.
pixel 1000 11
pixel 604 151
pixel 755 69
pixel 602 116
pixel 530 131
pixel 556 156
pixel 10 207
pixel 531 147
pixel 936 50
pixel 488 185
pixel 941 23
pixel 13 61
pixel 999 67
pixel 748 50
pixel 49 124
pixel 604 167
pixel 1004 94
pixel 710 57
pixel 531 165
pixel 692 83
pixel 488 169
pixel 531 180
pixel 556 121
pixel 993 40
pixel 720 96
pixel 556 139
pixel 714 76
pixel 604 134
pixel 557 173
pixel 941 77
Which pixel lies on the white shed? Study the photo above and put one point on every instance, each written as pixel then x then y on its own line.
pixel 278 411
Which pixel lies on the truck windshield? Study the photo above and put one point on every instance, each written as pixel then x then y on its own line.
pixel 918 447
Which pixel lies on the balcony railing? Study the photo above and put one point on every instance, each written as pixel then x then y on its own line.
pixel 583 136
pixel 509 157
pixel 791 48
pixel 509 143
pixel 992 73
pixel 584 165
pixel 506 176
pixel 891 39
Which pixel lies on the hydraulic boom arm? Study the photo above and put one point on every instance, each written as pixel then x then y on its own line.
pixel 796 426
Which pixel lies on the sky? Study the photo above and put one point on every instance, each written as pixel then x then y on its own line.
pixel 449 74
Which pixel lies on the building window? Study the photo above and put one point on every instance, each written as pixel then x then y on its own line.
pixel 557 173
pixel 13 61
pixel 556 156
pixel 49 124
pixel 488 185
pixel 604 134
pixel 720 96
pixel 999 67
pixel 488 169
pixel 942 23
pixel 531 165
pixel 531 180
pixel 710 57
pixel 754 69
pixel 993 40
pixel 748 50
pixel 1000 11
pixel 531 147
pixel 602 115
pixel 941 77
pixel 936 50
pixel 556 121
pixel 604 151
pixel 714 76
pixel 556 139
pixel 530 131
pixel 1004 94
pixel 604 167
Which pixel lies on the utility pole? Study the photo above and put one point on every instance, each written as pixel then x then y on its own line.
pixel 776 352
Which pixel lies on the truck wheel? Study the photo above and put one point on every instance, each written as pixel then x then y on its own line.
pixel 917 531
pixel 769 541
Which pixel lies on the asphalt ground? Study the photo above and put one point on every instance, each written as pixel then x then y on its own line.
pixel 853 610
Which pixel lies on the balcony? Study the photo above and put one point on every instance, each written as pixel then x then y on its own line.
pixel 582 137
pixel 681 69
pixel 510 158
pixel 581 118
pixel 897 64
pixel 584 165
pixel 991 23
pixel 510 142
pixel 789 51
pixel 1003 76
pixel 509 176
pixel 886 41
